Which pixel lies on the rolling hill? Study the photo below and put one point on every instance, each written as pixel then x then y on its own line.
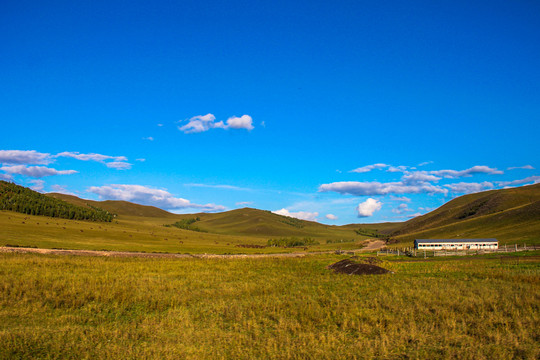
pixel 510 215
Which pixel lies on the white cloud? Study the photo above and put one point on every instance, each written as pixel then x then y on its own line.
pixel 118 165
pixel 141 160
pixel 526 167
pixel 402 208
pixel 303 215
pixel 414 215
pixel 38 185
pixel 368 168
pixel 400 198
pixel 528 180
pixel 242 122
pixel 35 171
pixel 148 196
pixel 478 169
pixel 425 163
pixel 368 207
pixel 377 188
pixel 6 177
pixel 400 168
pixel 331 217
pixel 416 177
pixel 469 188
pixel 149 138
pixel 26 157
pixel 201 123
pixel 160 125
pixel 90 157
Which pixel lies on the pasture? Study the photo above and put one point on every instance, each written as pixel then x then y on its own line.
pixel 131 308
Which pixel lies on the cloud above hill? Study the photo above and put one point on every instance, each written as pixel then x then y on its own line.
pixel 202 123
pixel 368 207
pixel 35 171
pixel 302 215
pixel 148 196
pixel 24 157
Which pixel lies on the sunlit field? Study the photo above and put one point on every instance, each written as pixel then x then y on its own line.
pixel 130 308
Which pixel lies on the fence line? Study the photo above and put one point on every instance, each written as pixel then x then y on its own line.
pixel 447 252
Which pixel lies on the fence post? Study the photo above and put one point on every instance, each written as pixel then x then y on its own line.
pixel 515 246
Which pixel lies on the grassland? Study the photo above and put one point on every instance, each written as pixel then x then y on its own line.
pixel 91 307
pixel 147 234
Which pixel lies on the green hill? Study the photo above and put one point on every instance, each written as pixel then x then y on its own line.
pixel 119 207
pixel 24 200
pixel 254 222
pixel 510 215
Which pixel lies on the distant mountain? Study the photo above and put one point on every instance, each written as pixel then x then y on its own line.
pixel 512 215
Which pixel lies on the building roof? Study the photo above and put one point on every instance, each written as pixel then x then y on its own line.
pixel 431 241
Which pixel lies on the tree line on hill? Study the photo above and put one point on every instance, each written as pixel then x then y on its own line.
pixel 23 200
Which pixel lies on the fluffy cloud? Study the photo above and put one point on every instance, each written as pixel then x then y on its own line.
pixel 6 177
pixel 469 188
pixel 242 122
pixel 414 215
pixel 148 196
pixel 331 217
pixel 35 171
pixel 425 163
pixel 526 167
pixel 303 215
pixel 376 188
pixel 118 165
pixel 368 207
pixel 90 157
pixel 202 123
pixel 368 168
pixel 149 138
pixel 27 157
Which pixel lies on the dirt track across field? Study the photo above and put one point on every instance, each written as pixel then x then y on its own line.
pixel 371 246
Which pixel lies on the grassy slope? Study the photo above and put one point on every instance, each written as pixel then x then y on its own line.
pixel 114 308
pixel 510 215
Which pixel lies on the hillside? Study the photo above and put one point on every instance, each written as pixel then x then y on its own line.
pixel 254 222
pixel 238 222
pixel 119 207
pixel 24 200
pixel 510 215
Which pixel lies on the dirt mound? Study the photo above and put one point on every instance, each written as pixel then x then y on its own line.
pixel 366 260
pixel 350 267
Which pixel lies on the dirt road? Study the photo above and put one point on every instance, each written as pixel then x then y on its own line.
pixel 371 246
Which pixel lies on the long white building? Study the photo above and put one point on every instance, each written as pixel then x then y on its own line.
pixel 453 244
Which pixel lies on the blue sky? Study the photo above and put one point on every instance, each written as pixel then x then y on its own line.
pixel 284 106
